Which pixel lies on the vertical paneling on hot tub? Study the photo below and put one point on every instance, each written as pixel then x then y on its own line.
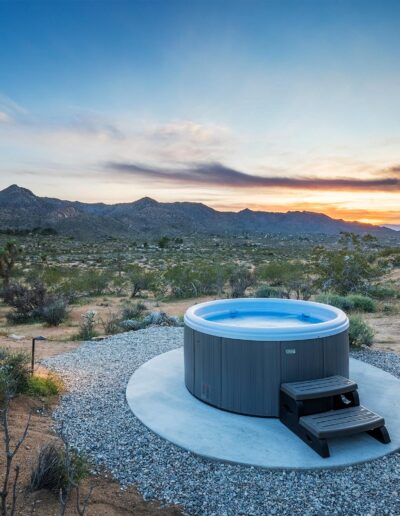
pixel 207 367
pixel 336 355
pixel 250 373
pixel 189 359
pixel 302 360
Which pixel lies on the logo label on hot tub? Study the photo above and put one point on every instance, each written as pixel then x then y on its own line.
pixel 290 351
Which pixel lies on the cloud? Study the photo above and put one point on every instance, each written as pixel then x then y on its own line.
pixel 216 174
pixel 4 118
pixel 9 109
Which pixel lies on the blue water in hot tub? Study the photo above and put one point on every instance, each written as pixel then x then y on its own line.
pixel 257 319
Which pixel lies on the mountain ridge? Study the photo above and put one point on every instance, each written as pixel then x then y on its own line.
pixel 21 209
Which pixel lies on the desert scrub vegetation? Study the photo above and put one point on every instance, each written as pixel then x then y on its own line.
pixel 197 279
pixel 8 257
pixel 352 302
pixel 349 268
pixel 56 467
pixel 44 386
pixel 178 268
pixel 15 370
pixel 34 303
pixel 292 278
pixel 360 332
pixel 87 326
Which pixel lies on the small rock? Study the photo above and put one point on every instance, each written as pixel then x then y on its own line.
pixel 13 336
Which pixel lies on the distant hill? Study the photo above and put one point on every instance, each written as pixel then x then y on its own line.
pixel 21 209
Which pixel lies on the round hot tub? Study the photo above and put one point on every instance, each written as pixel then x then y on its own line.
pixel 239 351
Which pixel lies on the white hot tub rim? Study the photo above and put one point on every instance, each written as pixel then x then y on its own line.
pixel 334 320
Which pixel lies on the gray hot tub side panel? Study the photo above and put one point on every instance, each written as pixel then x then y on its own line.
pixel 189 358
pixel 249 374
pixel 336 355
pixel 207 368
pixel 245 376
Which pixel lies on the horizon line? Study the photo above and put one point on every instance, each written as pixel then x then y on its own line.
pixel 230 208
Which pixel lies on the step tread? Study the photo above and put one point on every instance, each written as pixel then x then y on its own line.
pixel 336 423
pixel 320 388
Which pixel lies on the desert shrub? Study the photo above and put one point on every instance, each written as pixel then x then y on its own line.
pixel 389 309
pixel 362 303
pixel 8 257
pixel 183 282
pixel 43 386
pixel 196 279
pixel 382 292
pixel 111 324
pixel 240 280
pixel 133 311
pixel 54 312
pixel 55 469
pixel 360 333
pixel 267 291
pixel 280 273
pixel 347 269
pixel 131 324
pixel 26 301
pixel 342 302
pixel 34 303
pixel 78 283
pixel 140 279
pixel 348 303
pixel 94 282
pixel 292 277
pixel 163 242
pixel 14 372
pixel 87 326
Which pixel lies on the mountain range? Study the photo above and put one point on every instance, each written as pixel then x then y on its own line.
pixel 20 209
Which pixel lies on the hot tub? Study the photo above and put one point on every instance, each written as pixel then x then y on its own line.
pixel 239 351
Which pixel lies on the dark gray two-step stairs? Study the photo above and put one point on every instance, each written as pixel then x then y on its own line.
pixel 317 410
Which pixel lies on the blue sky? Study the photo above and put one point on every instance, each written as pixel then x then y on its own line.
pixel 161 98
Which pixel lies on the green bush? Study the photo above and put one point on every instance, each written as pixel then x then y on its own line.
pixel 239 281
pixel 342 302
pixel 349 267
pixel 43 386
pixel 267 291
pixel 133 311
pixel 87 326
pixel 14 372
pixel 54 312
pixel 111 324
pixel 195 280
pixel 382 292
pixel 34 303
pixel 360 333
pixel 348 303
pixel 362 303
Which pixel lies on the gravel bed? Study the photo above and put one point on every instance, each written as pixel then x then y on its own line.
pixel 97 421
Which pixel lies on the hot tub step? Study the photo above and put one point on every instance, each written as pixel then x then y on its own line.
pixel 339 423
pixel 320 388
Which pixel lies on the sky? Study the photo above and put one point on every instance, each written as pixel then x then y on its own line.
pixel 269 105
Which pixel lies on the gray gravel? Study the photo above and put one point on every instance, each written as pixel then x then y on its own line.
pixel 97 421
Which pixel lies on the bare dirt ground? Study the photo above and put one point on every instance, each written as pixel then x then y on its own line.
pixel 387 331
pixel 107 498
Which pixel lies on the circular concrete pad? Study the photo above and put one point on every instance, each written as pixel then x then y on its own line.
pixel 157 395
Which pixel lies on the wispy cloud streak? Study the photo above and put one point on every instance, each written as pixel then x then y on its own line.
pixel 216 174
